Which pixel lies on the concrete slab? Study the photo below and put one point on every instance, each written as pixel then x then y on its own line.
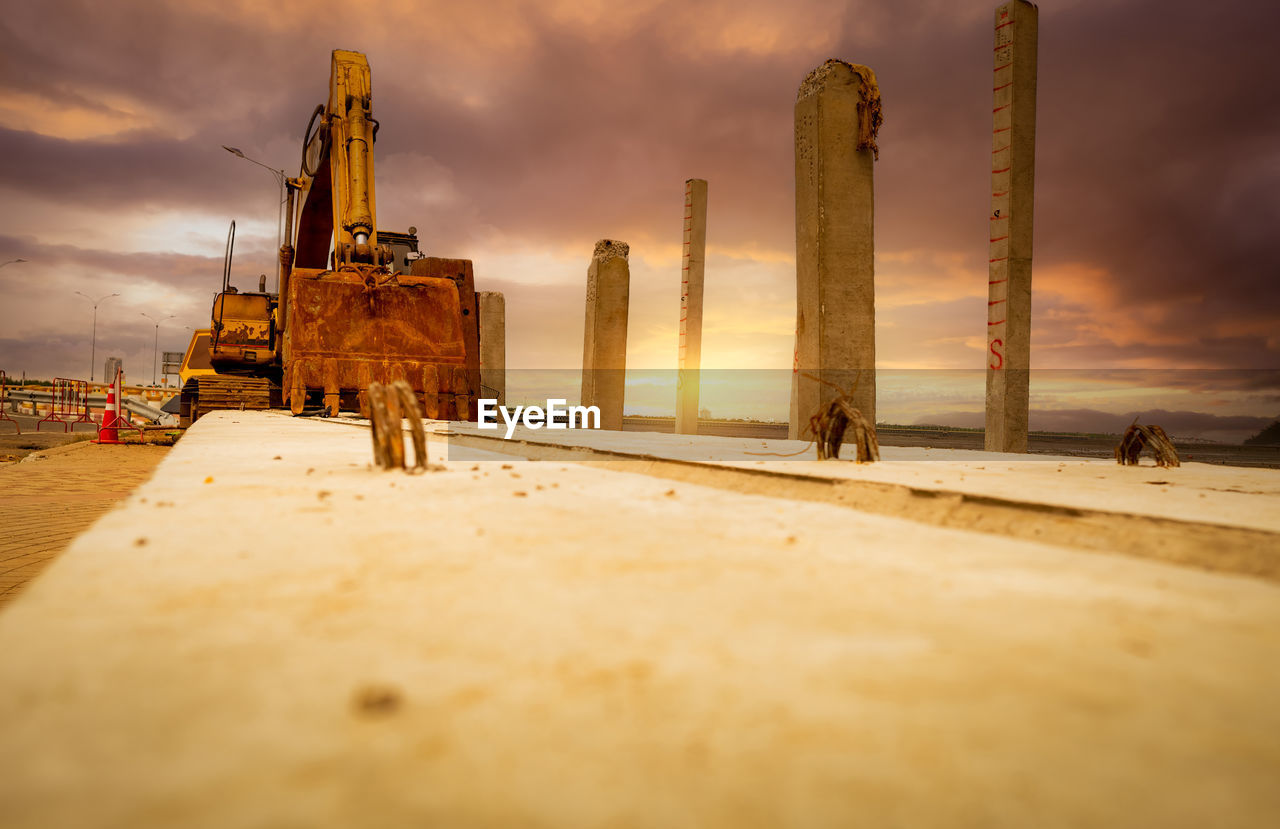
pixel 1235 496
pixel 507 643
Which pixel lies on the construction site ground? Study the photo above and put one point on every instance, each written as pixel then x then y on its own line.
pixel 14 446
pixel 641 630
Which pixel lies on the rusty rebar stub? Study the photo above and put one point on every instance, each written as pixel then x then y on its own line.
pixel 870 111
pixel 607 249
pixel 389 407
pixel 831 428
pixel 830 425
pixel 1140 436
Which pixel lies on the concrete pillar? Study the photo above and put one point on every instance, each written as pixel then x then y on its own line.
pixel 1013 161
pixel 604 351
pixel 837 116
pixel 492 307
pixel 691 273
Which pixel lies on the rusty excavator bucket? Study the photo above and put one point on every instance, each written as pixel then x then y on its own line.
pixel 357 316
pixel 344 333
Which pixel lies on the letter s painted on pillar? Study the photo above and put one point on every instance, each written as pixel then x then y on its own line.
pixel 999 364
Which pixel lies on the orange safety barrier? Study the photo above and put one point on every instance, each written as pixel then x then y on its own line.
pixel 69 399
pixel 4 398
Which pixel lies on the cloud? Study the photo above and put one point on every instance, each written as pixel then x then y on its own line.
pixel 516 134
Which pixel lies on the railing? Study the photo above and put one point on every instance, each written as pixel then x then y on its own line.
pixel 4 399
pixel 40 399
pixel 69 399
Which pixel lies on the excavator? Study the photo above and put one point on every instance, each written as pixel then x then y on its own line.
pixel 355 304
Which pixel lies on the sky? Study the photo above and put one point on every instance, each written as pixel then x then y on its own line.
pixel 516 134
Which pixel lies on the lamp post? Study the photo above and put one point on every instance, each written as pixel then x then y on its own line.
pixel 155 354
pixel 93 348
pixel 280 177
pixel 11 262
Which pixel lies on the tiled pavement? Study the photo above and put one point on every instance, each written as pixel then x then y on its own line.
pixel 46 503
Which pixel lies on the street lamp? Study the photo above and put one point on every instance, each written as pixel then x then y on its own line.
pixel 11 262
pixel 93 348
pixel 155 355
pixel 280 177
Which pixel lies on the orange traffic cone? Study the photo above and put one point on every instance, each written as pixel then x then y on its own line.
pixel 107 432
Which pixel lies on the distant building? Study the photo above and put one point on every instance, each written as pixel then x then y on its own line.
pixel 113 364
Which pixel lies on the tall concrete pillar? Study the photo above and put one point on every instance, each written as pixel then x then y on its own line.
pixel 604 351
pixel 837 116
pixel 1013 161
pixel 493 345
pixel 691 273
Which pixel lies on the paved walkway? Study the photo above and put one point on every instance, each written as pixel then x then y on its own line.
pixel 47 502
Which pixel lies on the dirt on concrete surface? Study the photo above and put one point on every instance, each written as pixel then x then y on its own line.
pixel 54 494
pixel 1081 446
pixel 15 446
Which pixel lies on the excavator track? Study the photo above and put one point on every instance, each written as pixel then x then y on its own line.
pixel 202 395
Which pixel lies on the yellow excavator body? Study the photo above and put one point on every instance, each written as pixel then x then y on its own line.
pixel 347 313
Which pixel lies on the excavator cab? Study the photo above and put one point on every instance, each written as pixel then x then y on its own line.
pixel 404 249
pixel 242 332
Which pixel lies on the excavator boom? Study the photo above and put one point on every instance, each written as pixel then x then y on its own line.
pixel 358 319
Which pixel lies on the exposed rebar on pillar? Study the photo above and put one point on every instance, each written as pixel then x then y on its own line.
pixel 837 116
